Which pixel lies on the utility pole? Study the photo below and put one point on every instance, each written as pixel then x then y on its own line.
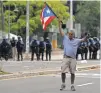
pixel 2 18
pixel 27 27
pixel 0 21
pixel 9 24
pixel 71 14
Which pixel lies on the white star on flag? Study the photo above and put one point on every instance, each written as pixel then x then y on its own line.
pixel 48 11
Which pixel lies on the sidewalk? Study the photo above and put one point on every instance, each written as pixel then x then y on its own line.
pixel 56 55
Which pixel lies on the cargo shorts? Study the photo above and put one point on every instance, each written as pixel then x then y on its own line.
pixel 68 65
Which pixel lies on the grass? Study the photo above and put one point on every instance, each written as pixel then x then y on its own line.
pixel 3 73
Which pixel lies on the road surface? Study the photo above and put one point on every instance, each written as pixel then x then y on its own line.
pixel 86 82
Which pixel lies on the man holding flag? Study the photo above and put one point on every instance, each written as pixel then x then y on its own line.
pixel 69 61
pixel 70 46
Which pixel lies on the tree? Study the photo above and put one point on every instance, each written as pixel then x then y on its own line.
pixel 89 16
pixel 18 20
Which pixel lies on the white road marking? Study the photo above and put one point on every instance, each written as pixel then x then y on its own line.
pixel 85 84
pixel 26 66
pixel 85 75
pixel 89 77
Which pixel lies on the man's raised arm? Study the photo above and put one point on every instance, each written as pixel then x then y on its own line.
pixel 85 38
pixel 60 30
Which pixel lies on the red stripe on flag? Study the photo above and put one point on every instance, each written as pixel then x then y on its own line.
pixel 48 21
pixel 41 17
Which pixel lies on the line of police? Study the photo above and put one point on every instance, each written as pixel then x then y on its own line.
pixel 8 49
pixel 92 45
pixel 39 47
pixel 16 47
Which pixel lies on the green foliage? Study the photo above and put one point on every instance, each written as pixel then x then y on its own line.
pixel 18 18
pixel 89 16
pixel 15 27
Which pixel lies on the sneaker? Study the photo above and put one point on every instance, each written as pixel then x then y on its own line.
pixel 62 86
pixel 73 88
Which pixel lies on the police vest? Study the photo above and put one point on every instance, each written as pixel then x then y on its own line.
pixel 13 43
pixel 41 45
pixel 48 45
pixel 20 45
pixel 34 44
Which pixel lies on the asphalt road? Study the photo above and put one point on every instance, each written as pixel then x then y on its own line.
pixel 18 66
pixel 86 82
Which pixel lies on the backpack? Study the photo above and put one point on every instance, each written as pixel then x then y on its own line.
pixel 5 46
pixel 48 45
pixel 20 45
pixel 13 43
pixel 41 45
pixel 34 43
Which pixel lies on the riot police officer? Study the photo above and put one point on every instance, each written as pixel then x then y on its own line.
pixel 85 51
pixel 34 48
pixel 13 44
pixel 20 46
pixel 48 49
pixel 41 48
pixel 80 51
pixel 90 47
pixel 96 45
pixel 0 51
pixel 5 48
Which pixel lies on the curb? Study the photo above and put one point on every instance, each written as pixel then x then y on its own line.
pixel 33 73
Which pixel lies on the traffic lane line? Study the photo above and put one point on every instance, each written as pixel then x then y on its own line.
pixel 93 77
pixel 83 75
pixel 85 84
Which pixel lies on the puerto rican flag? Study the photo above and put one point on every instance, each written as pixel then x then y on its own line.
pixel 47 15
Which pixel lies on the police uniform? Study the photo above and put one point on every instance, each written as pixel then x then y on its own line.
pixel 85 49
pixel 20 46
pixel 48 49
pixel 34 49
pixel 13 44
pixel 41 49
pixel 80 51
pixel 0 51
pixel 5 47
pixel 90 46
pixel 96 47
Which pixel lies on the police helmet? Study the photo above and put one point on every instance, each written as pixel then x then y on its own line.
pixel 13 38
pixel 19 38
pixel 47 38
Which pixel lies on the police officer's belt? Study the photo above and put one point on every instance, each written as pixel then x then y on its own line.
pixel 65 56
